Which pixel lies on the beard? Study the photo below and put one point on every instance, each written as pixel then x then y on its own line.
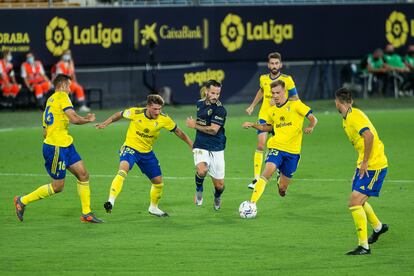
pixel 274 71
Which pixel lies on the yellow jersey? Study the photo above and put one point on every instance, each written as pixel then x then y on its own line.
pixel 265 81
pixel 355 123
pixel 55 121
pixel 287 121
pixel 143 131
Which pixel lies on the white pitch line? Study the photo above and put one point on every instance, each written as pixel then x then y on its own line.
pixel 188 177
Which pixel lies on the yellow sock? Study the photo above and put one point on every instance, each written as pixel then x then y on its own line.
pixel 117 183
pixel 85 196
pixel 39 193
pixel 360 220
pixel 258 189
pixel 372 218
pixel 258 160
pixel 156 192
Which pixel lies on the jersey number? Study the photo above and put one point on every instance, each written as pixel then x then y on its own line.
pixel 48 117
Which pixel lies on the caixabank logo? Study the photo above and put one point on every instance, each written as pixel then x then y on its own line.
pixel 59 35
pixel 397 29
pixel 234 32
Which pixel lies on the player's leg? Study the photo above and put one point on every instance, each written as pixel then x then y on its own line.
pixel 356 200
pixel 286 170
pixel 374 188
pixel 149 165
pixel 77 168
pixel 56 168
pixel 201 161
pixel 260 186
pixel 258 156
pixel 117 184
pixel 127 158
pixel 217 172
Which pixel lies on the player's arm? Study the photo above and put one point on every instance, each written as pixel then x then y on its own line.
pixel 114 117
pixel 75 119
pixel 368 143
pixel 256 100
pixel 211 129
pixel 181 134
pixel 312 123
pixel 262 127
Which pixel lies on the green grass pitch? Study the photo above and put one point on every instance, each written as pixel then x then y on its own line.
pixel 307 232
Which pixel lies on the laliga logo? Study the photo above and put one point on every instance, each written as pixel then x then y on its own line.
pixel 59 35
pixel 233 32
pixel 396 29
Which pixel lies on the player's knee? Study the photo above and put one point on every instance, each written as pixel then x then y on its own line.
pixel 260 146
pixel 58 186
pixel 83 176
pixel 202 171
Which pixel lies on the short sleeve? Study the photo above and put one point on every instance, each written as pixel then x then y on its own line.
pixel 65 102
pixel 129 113
pixel 169 125
pixel 219 116
pixel 359 122
pixel 291 87
pixel 302 109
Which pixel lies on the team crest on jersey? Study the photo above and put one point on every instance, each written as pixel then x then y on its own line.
pixel 282 118
pixel 155 124
pixel 146 130
pixel 209 112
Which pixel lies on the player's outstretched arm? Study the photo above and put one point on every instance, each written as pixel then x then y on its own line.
pixel 313 121
pixel 262 127
pixel 181 134
pixel 115 117
pixel 74 118
pixel 257 98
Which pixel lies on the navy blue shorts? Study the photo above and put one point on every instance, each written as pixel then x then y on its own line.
pixel 147 162
pixel 263 122
pixel 57 159
pixel 285 162
pixel 371 185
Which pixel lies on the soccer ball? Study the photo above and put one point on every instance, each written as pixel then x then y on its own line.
pixel 248 210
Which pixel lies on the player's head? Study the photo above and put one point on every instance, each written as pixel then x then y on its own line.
pixel 30 57
pixel 278 92
pixel 274 62
pixel 343 99
pixel 67 55
pixel 62 83
pixel 389 49
pixel 378 53
pixel 213 89
pixel 7 55
pixel 154 105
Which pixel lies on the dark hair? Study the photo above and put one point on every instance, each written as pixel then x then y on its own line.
pixel 344 95
pixel 155 99
pixel 212 82
pixel 278 83
pixel 61 79
pixel 275 55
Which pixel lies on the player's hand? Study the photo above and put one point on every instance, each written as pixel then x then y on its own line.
pixel 100 126
pixel 90 117
pixel 363 170
pixel 190 122
pixel 247 124
pixel 249 110
pixel 308 130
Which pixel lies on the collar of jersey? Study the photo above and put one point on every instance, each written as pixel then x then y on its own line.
pixel 276 76
pixel 282 104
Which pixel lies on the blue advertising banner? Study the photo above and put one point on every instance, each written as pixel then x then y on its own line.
pixel 126 36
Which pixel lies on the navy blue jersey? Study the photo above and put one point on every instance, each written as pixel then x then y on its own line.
pixel 208 113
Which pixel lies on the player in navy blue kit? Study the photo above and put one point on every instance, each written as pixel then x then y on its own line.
pixel 210 142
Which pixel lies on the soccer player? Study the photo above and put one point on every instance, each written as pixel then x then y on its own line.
pixel 275 65
pixel 370 172
pixel 210 142
pixel 60 153
pixel 144 129
pixel 285 118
